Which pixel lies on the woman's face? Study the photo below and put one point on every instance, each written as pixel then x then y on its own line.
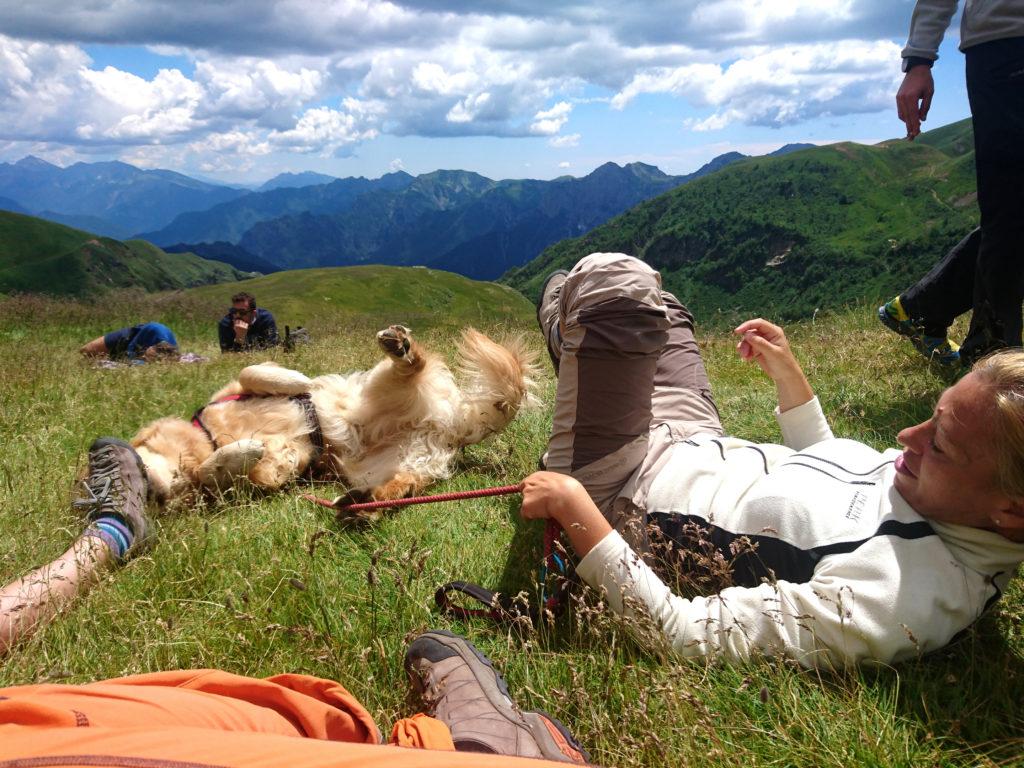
pixel 947 471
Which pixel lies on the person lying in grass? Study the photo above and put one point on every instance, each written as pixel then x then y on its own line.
pixel 839 554
pixel 142 343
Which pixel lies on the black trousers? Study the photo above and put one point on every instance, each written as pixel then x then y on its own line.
pixel 995 285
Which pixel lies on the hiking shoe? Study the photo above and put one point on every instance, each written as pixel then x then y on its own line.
pixel 461 688
pixel 116 487
pixel 939 350
pixel 547 312
pixel 895 318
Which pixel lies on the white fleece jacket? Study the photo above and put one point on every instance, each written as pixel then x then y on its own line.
pixel 982 22
pixel 886 584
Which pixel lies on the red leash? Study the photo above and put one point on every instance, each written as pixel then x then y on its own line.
pixel 503 490
pixel 498 608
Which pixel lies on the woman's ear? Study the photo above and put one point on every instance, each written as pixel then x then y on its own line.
pixel 1009 521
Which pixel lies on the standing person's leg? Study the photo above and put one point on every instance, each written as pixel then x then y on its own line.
pixel 627 361
pixel 947 291
pixel 118 529
pixel 995 87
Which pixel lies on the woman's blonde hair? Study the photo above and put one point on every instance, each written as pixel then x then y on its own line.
pixel 1004 373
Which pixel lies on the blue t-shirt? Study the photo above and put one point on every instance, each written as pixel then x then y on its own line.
pixel 133 342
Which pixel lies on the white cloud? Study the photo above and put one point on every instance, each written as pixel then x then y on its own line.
pixel 323 75
pixel 258 90
pixel 569 140
pixel 466 110
pixel 550 121
pixel 396 165
pixel 564 164
pixel 322 130
pixel 780 86
pixel 125 107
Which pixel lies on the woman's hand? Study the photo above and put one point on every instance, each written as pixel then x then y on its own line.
pixel 766 344
pixel 558 497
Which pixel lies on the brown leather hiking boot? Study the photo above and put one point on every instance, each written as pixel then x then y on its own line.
pixel 117 486
pixel 461 688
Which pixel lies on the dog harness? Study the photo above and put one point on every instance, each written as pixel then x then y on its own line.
pixel 316 435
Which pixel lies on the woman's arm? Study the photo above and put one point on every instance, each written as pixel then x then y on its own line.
pixel 558 497
pixel 766 345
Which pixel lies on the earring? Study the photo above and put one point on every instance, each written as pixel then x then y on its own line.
pixel 997 520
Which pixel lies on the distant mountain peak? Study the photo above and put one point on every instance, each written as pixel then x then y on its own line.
pixel 31 161
pixel 301 179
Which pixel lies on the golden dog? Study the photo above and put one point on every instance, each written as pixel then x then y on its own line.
pixel 386 432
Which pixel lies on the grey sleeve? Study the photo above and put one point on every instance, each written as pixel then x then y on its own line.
pixel 928 26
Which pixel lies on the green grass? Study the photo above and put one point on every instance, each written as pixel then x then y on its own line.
pixel 260 585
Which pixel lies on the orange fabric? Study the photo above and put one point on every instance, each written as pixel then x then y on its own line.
pixel 200 747
pixel 423 732
pixel 286 705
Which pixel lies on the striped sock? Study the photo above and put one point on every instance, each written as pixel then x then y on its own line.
pixel 114 532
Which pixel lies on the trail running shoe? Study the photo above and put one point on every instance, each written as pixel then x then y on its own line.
pixel 461 688
pixel 894 317
pixel 117 486
pixel 938 349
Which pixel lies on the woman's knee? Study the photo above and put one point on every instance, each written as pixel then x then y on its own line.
pixel 601 278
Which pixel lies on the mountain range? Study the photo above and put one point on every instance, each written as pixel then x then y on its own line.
pixel 110 198
pixel 789 235
pixel 453 220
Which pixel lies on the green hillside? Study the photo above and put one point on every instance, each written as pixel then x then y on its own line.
pixel 789 235
pixel 321 299
pixel 38 256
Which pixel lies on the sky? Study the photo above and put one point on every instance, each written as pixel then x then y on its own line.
pixel 238 91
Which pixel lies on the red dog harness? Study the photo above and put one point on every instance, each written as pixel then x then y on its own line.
pixel 316 436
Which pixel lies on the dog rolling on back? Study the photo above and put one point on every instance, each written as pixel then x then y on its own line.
pixel 386 433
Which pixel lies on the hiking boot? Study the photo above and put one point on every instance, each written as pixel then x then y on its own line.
pixel 461 688
pixel 547 312
pixel 939 350
pixel 116 487
pixel 894 317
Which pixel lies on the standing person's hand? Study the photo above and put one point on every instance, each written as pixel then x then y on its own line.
pixel 914 98
pixel 766 344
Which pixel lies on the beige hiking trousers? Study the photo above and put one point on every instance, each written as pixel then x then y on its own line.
pixel 631 379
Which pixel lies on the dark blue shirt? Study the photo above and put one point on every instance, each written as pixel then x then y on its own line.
pixel 262 332
pixel 133 342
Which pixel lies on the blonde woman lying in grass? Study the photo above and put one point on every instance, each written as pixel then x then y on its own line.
pixel 839 554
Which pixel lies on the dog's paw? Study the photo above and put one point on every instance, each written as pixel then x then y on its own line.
pixel 396 341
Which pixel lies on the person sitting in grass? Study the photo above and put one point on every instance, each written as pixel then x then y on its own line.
pixel 211 717
pixel 838 553
pixel 139 343
pixel 246 327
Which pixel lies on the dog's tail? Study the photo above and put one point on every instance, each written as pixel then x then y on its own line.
pixel 498 380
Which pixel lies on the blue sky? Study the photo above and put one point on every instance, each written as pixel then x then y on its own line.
pixel 240 91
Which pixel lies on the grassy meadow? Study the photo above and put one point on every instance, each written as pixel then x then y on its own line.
pixel 264 584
